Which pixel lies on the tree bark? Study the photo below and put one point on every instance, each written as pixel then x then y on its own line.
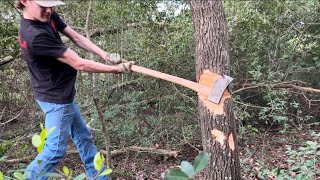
pixel 218 129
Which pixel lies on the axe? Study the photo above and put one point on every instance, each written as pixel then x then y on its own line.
pixel 214 94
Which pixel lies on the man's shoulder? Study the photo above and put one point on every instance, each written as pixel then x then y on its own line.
pixel 32 32
pixel 55 16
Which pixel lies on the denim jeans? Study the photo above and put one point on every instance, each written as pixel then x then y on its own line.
pixel 67 120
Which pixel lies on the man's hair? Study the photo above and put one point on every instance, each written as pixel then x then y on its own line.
pixel 18 4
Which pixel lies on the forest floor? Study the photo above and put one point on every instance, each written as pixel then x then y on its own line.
pixel 258 150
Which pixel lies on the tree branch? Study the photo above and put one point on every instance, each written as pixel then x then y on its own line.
pixel 6 60
pixel 288 85
pixel 13 117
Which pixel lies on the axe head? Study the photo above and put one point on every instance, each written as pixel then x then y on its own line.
pixel 218 89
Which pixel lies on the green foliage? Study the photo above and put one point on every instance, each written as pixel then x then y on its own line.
pixel 273 42
pixel 270 42
pixel 187 170
pixel 106 172
pixel 201 161
pixel 52 175
pixel 38 141
pixel 66 172
pixel 4 147
pixel 8 30
pixel 98 164
pixel 80 177
pixel 176 174
pixel 302 162
pixel 98 161
pixel 190 132
pixel 18 175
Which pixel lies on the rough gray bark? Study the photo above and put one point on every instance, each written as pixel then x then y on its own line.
pixel 212 54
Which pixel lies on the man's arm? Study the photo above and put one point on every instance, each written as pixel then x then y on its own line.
pixel 71 58
pixel 84 43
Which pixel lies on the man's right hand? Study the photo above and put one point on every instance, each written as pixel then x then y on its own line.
pixel 125 67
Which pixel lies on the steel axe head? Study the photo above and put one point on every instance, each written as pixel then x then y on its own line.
pixel 218 89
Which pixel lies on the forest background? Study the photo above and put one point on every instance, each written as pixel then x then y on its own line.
pixel 274 56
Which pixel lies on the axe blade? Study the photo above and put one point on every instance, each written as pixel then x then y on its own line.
pixel 218 89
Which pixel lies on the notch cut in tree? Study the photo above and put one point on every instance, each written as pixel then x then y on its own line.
pixel 209 78
pixel 220 137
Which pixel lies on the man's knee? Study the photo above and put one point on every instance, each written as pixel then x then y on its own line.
pixel 54 154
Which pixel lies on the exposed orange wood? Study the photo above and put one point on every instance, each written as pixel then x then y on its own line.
pixel 208 79
pixel 231 142
pixel 218 136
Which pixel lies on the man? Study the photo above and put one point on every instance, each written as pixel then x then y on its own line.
pixel 53 68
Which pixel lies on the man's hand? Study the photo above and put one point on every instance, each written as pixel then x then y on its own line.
pixel 125 67
pixel 113 58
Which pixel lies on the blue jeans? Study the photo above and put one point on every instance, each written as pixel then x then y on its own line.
pixel 67 120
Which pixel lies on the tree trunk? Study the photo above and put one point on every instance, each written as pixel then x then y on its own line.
pixel 217 121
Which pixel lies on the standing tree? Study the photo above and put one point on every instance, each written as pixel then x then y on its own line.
pixel 212 60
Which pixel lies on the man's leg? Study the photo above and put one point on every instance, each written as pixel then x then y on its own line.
pixel 59 116
pixel 82 137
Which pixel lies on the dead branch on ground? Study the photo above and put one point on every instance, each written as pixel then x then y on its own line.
pixel 1 124
pixel 143 149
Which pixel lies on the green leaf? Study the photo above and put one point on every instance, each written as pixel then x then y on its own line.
pixel 19 170
pixel 98 161
pixel 201 161
pixel 3 158
pixel 310 163
pixel 311 143
pixel 41 126
pixel 187 168
pixel 303 148
pixel 1 175
pixel 51 175
pixel 292 168
pixel 176 174
pixel 280 177
pixel 102 158
pixel 43 134
pixel 80 177
pixel 18 175
pixel 40 148
pixel 299 176
pixel 51 130
pixel 65 170
pixel 36 140
pixel 106 172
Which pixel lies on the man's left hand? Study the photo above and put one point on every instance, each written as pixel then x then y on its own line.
pixel 113 58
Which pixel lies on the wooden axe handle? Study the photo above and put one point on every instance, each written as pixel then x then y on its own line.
pixel 202 89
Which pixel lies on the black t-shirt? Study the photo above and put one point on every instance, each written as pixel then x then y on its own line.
pixel 41 45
